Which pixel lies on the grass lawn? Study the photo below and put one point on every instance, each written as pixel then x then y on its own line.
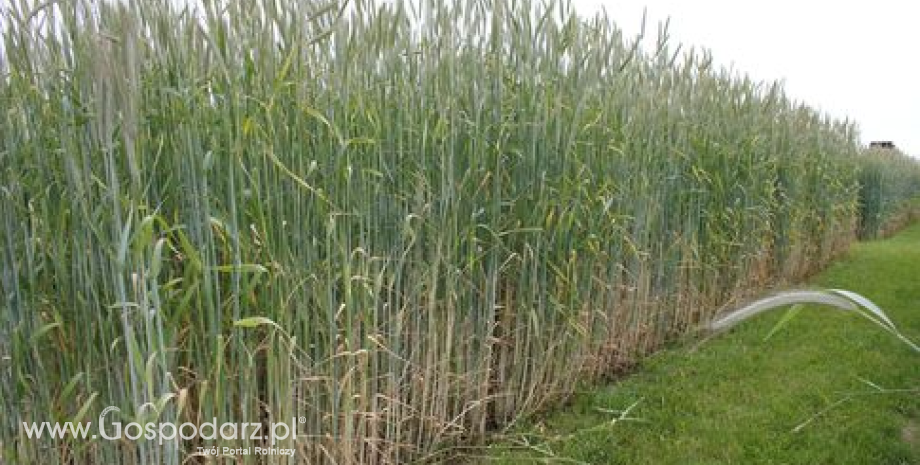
pixel 828 388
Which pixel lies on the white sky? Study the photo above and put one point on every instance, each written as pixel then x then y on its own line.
pixel 849 59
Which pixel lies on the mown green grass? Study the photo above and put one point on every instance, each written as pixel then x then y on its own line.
pixel 739 398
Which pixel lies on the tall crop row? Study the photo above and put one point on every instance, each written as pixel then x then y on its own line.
pixel 401 225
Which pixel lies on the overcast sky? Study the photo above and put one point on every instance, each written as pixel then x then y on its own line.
pixel 850 59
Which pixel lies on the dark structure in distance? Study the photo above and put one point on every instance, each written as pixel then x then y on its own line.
pixel 881 144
